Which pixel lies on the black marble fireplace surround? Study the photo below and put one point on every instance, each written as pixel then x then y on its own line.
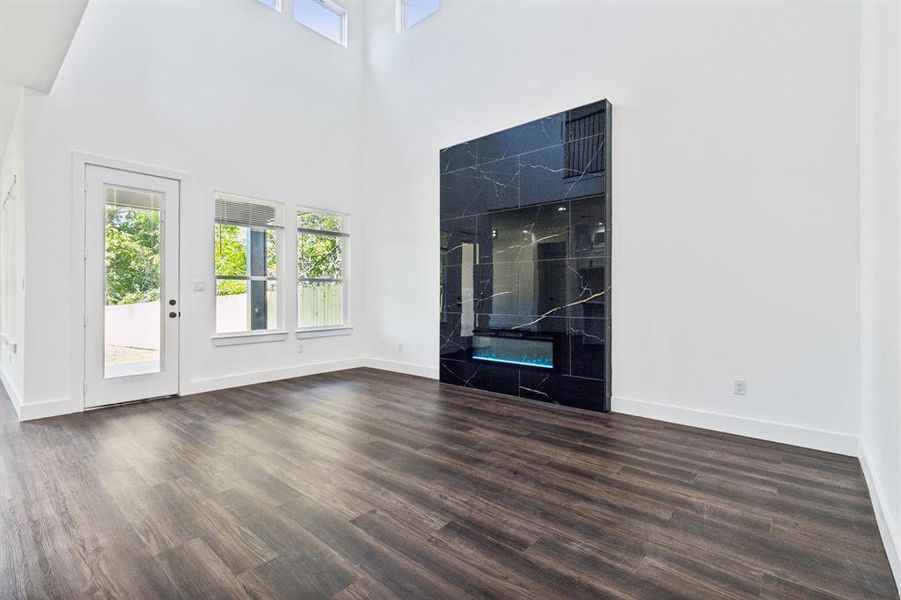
pixel 525 260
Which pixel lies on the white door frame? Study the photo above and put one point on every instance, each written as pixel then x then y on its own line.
pixel 80 162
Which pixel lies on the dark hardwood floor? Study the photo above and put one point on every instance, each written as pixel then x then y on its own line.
pixel 365 484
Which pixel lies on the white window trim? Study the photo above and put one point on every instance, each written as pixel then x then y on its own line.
pixel 249 337
pixel 255 336
pixel 338 10
pixel 278 5
pixel 346 328
pixel 317 332
pixel 400 16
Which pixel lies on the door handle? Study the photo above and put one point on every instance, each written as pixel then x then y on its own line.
pixel 172 315
pixel 172 302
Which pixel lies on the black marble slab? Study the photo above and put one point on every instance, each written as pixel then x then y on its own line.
pixel 525 238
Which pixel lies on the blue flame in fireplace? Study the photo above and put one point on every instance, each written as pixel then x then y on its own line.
pixel 526 361
pixel 526 352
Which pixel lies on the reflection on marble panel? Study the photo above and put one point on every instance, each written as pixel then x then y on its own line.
pixel 589 225
pixel 526 234
pixel 480 189
pixel 570 391
pixel 531 136
pixel 574 288
pixel 552 174
pixel 491 378
pixel 587 347
pixel 458 157
pixel 525 221
pixel 454 234
pixel 497 288
pixel 454 344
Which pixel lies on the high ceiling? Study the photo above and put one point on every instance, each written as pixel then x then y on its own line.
pixel 34 38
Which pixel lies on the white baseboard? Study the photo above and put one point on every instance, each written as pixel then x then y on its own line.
pixel 402 367
pixel 11 391
pixel 53 408
pixel 817 439
pixel 888 529
pixel 210 384
pixel 30 411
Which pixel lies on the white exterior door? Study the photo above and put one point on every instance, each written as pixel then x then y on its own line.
pixel 132 306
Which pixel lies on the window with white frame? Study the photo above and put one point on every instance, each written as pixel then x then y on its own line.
pixel 324 17
pixel 247 243
pixel 411 12
pixel 276 4
pixel 322 242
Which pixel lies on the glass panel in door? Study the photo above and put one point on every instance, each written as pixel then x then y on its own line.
pixel 133 274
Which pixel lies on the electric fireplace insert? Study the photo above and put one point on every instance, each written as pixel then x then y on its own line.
pixel 522 349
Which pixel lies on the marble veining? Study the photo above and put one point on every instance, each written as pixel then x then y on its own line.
pixel 525 229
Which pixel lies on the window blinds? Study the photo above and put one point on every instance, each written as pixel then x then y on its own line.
pixel 132 198
pixel 247 212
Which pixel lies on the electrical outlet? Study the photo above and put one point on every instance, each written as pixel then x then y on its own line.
pixel 300 348
pixel 400 346
pixel 740 387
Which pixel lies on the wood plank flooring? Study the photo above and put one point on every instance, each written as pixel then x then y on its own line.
pixel 365 484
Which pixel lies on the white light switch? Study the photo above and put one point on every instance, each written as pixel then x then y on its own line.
pixel 199 285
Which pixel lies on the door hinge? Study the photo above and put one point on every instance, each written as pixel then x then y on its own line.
pixel 84 320
pixel 84 389
pixel 85 254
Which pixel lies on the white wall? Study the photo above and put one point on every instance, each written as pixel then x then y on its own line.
pixel 735 153
pixel 737 250
pixel 12 244
pixel 10 100
pixel 880 196
pixel 238 96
